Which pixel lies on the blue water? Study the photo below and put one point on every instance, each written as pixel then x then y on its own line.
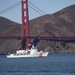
pixel 54 64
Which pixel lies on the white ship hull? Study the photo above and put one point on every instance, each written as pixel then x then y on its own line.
pixel 44 54
pixel 33 52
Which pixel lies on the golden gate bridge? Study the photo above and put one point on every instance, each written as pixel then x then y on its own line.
pixel 25 27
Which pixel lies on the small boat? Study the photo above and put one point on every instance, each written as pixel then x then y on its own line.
pixel 33 52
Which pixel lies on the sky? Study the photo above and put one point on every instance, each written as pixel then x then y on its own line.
pixel 48 6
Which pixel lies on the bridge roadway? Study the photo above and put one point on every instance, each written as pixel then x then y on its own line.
pixel 39 38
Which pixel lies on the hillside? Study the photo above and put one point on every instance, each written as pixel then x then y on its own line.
pixel 8 28
pixel 61 23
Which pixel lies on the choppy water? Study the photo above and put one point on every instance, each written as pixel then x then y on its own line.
pixel 54 64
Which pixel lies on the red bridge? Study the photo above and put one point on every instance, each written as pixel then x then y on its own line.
pixel 26 33
pixel 39 38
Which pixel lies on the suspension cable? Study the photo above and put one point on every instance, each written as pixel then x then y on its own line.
pixel 40 11
pixel 17 4
pixel 9 8
pixel 37 8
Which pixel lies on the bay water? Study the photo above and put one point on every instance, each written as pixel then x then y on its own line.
pixel 53 64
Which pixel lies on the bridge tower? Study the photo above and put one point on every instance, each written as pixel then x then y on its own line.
pixel 25 24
